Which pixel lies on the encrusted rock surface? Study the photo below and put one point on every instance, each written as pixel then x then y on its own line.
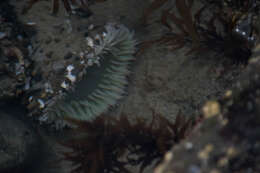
pixel 14 59
pixel 18 142
pixel 228 139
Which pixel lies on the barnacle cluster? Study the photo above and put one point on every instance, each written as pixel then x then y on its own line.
pixel 91 82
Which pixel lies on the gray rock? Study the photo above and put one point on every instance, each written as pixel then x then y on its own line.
pixel 17 142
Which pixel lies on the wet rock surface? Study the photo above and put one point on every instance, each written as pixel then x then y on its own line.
pixel 18 142
pixel 229 137
pixel 168 81
pixel 14 59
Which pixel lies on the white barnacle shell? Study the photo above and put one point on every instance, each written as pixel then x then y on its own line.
pixel 71 77
pixel 70 68
pixel 90 42
pixel 41 102
pixel 30 98
pixel 64 85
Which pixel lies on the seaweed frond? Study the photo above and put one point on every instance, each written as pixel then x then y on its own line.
pixel 227 31
pixel 154 6
pixel 236 38
pixel 185 23
pixel 110 144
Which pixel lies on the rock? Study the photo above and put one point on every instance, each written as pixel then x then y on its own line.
pixel 14 57
pixel 228 139
pixel 17 143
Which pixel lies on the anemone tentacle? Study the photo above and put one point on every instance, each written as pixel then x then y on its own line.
pixel 103 85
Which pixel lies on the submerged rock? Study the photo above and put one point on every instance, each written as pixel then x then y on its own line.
pixel 228 140
pixel 17 143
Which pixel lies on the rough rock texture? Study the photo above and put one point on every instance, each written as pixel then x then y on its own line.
pixel 17 142
pixel 167 81
pixel 228 140
pixel 13 52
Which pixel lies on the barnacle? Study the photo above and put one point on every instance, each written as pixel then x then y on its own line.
pixel 103 84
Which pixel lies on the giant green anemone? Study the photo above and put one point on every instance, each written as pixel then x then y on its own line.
pixel 102 85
